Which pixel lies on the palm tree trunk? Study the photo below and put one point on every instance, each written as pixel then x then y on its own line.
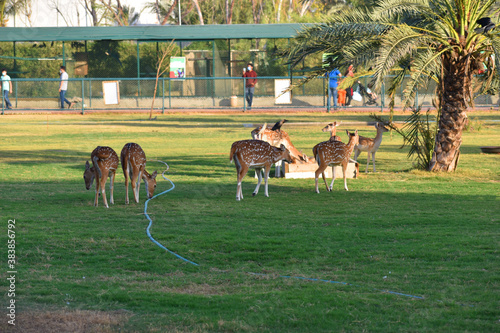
pixel 455 95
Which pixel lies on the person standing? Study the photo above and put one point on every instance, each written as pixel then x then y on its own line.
pixel 6 87
pixel 63 87
pixel 349 91
pixel 251 80
pixel 333 84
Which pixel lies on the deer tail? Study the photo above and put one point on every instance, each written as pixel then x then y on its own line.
pixel 231 154
pixel 316 155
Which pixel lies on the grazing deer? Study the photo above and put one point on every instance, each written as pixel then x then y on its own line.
pixel 370 145
pixel 334 153
pixel 258 155
pixel 105 163
pixel 133 161
pixel 332 128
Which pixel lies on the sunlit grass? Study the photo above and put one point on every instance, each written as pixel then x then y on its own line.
pixel 423 234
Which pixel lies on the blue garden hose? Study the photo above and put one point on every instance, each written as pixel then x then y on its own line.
pixel 257 274
pixel 151 221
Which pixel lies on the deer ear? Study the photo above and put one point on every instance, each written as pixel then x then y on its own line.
pixel 87 165
pixel 282 147
pixel 264 127
pixel 154 174
pixel 347 132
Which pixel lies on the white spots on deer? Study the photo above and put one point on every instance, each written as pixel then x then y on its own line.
pixel 258 155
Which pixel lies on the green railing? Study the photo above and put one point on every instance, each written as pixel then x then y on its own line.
pixel 190 93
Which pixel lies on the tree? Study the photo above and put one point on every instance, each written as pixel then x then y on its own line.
pixel 440 40
pixel 122 15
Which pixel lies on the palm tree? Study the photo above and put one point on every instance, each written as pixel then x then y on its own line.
pixel 440 40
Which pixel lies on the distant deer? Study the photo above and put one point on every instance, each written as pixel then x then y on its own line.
pixel 370 145
pixel 133 161
pixel 105 163
pixel 332 128
pixel 258 155
pixel 334 153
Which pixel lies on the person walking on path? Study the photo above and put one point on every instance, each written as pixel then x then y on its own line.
pixel 251 80
pixel 7 88
pixel 349 91
pixel 333 84
pixel 63 87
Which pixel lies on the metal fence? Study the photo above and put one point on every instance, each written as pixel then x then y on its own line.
pixel 192 93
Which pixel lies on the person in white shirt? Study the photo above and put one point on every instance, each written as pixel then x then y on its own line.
pixel 63 87
pixel 6 87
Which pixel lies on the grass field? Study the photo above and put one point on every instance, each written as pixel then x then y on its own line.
pixel 433 238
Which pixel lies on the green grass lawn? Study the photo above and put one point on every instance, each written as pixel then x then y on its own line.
pixel 433 238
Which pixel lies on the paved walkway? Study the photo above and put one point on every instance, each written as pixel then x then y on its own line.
pixel 220 110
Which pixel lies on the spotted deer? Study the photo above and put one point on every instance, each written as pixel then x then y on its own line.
pixel 334 153
pixel 105 163
pixel 133 161
pixel 332 128
pixel 370 145
pixel 258 155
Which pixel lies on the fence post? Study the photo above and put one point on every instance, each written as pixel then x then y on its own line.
pixel 15 82
pixel 163 95
pixel 244 94
pixel 83 96
pixel 169 93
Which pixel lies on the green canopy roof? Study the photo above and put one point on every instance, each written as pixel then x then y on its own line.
pixel 151 33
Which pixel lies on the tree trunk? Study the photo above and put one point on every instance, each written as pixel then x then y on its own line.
pixel 455 97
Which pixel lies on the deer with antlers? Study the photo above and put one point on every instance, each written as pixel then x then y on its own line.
pixel 370 145
pixel 133 161
pixel 334 153
pixel 258 155
pixel 332 128
pixel 105 163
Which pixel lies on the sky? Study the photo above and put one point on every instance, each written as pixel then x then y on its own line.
pixel 44 14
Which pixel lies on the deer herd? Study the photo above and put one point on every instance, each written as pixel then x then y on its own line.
pixel 267 147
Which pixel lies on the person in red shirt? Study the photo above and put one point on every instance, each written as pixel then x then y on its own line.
pixel 251 80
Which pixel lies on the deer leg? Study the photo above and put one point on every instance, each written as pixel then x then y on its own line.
pixel 259 181
pixel 139 179
pixel 241 174
pixel 266 177
pixel 344 171
pixel 333 178
pixel 367 161
pixel 97 184
pixel 103 186
pixel 127 177
pixel 356 154
pixel 321 170
pixel 373 161
pixel 111 187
